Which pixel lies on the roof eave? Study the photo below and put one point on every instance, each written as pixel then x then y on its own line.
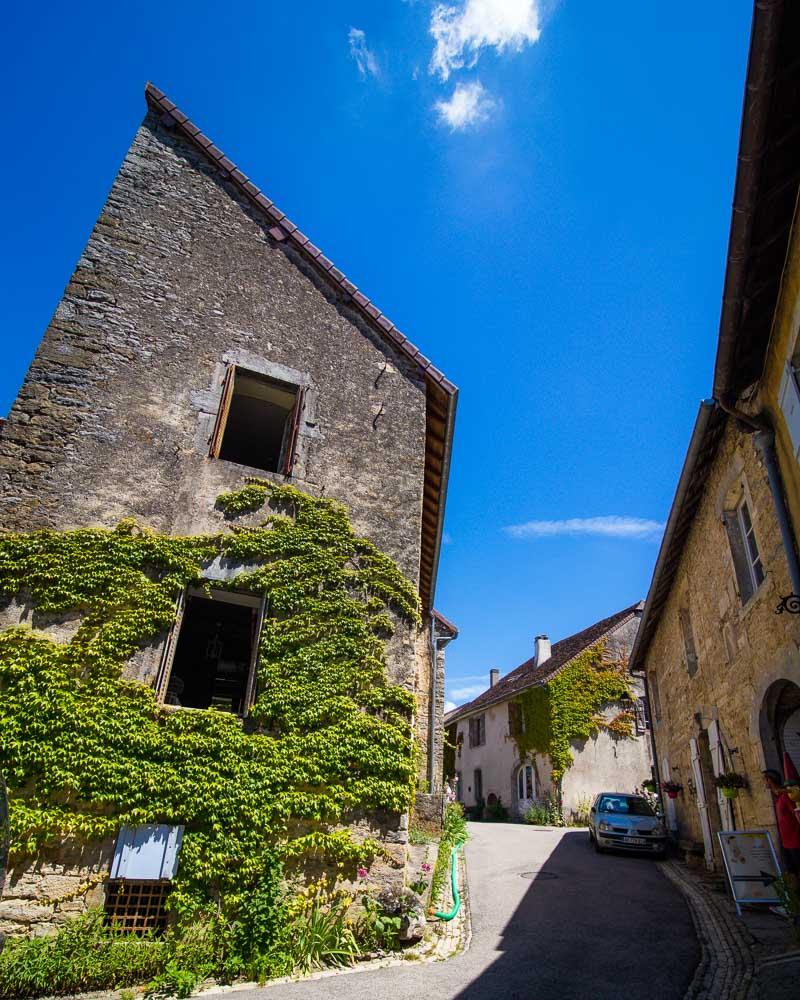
pixel 762 203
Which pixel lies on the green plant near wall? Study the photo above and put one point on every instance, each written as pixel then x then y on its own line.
pixel 566 708
pixel 84 749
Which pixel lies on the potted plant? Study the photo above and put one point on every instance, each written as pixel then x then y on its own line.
pixel 649 785
pixel 729 783
pixel 672 788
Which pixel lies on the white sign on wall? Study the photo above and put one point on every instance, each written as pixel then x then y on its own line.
pixel 751 865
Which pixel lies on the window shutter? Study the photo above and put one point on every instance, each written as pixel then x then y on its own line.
pixel 789 401
pixel 290 447
pixel 223 411
pixel 252 680
pixel 739 555
pixel 165 667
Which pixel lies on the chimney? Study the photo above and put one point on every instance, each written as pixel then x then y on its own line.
pixel 494 676
pixel 541 650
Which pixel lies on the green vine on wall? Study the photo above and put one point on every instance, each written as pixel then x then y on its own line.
pixel 567 707
pixel 84 749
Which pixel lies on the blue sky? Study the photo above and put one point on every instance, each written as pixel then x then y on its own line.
pixel 537 193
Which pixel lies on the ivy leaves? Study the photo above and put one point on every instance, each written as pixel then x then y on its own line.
pixel 565 709
pixel 85 749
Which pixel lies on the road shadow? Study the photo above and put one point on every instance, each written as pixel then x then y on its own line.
pixel 600 927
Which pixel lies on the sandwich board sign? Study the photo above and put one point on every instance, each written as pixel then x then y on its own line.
pixel 751 866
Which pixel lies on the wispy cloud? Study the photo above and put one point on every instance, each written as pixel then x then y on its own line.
pixel 364 58
pixel 461 32
pixel 610 526
pixel 469 106
pixel 461 694
pixel 449 706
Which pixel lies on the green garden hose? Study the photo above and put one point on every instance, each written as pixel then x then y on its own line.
pixel 453 881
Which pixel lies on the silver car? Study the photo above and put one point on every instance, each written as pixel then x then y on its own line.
pixel 627 822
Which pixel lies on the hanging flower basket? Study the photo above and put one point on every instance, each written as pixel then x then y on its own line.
pixel 729 783
pixel 672 788
pixel 649 785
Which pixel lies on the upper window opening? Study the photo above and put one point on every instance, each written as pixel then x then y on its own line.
pixel 211 659
pixel 257 422
pixel 689 649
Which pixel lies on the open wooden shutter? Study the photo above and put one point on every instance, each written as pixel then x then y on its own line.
pixel 222 412
pixel 718 766
pixel 252 678
pixel 293 430
pixel 168 654
pixel 702 803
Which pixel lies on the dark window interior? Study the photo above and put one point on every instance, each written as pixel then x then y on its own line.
pixel 213 655
pixel 257 422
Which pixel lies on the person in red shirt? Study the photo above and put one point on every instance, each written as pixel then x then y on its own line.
pixel 788 825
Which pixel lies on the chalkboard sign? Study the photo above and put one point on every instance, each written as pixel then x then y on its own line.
pixel 751 865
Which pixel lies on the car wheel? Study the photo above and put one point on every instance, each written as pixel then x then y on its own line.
pixel 591 837
pixel 598 848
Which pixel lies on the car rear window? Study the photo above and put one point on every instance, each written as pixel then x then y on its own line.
pixel 631 805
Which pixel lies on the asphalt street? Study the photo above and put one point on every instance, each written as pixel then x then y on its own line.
pixel 550 919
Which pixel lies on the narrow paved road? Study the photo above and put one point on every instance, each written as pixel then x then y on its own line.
pixel 584 927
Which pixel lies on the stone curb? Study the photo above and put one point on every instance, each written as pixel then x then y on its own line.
pixel 726 967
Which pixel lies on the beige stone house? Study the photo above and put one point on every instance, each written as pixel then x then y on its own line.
pixel 203 338
pixel 719 642
pixel 488 761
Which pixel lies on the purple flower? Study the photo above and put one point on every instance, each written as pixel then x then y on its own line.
pixel 362 873
pixel 426 867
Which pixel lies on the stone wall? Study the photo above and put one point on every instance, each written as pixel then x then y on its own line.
pixel 179 278
pixel 60 885
pixel 741 649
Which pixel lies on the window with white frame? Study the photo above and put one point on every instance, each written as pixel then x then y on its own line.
pixel 744 549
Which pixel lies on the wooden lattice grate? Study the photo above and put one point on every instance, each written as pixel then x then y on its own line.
pixel 136 907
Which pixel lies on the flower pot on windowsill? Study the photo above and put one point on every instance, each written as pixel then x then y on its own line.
pixel 729 783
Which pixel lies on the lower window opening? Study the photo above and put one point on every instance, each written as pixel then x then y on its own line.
pixel 136 907
pixel 214 655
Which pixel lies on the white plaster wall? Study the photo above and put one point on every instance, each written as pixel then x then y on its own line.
pixel 605 764
pixel 497 759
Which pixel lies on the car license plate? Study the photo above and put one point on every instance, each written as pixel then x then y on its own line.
pixel 635 840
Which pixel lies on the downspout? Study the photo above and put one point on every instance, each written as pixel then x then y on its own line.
pixel 435 640
pixel 764 438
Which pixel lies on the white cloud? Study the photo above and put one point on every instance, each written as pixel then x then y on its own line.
pixel 611 526
pixel 461 32
pixel 449 706
pixel 469 106
pixel 467 693
pixel 365 59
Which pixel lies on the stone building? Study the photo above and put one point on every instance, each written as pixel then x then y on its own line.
pixel 487 761
pixel 203 338
pixel 720 637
